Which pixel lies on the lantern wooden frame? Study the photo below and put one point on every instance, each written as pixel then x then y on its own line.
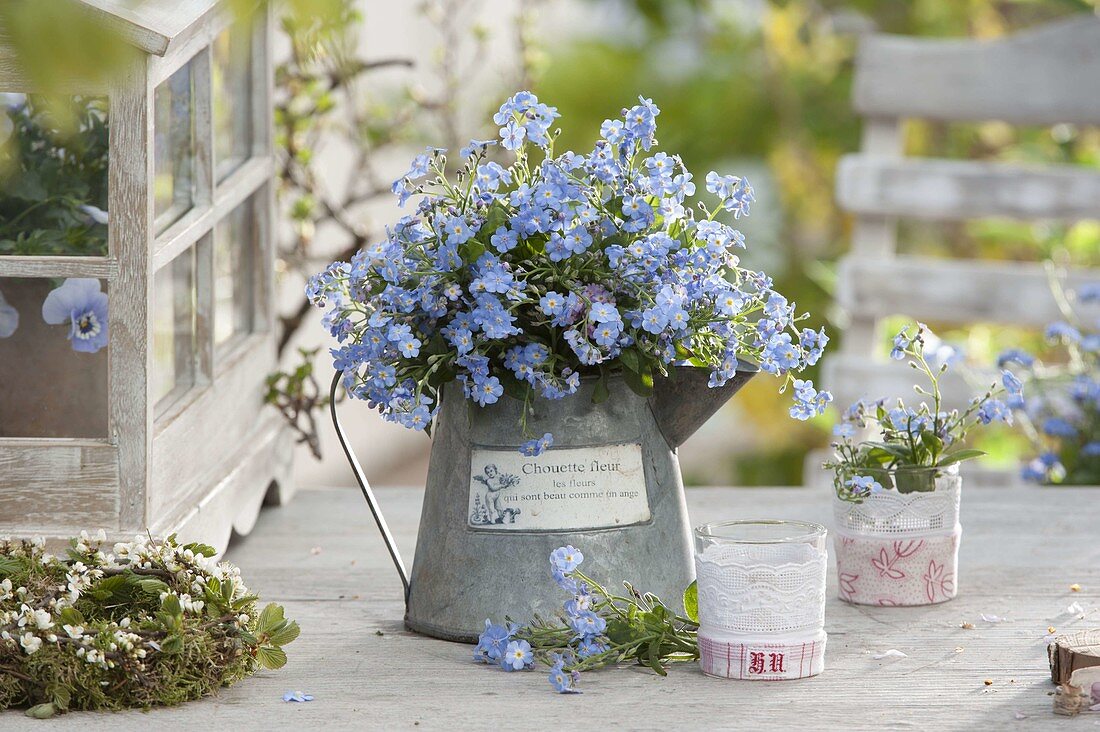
pixel 204 464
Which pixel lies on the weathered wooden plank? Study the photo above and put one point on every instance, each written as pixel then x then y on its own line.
pixel 104 268
pixel 192 443
pixel 1043 76
pixel 197 222
pixel 57 483
pixel 130 175
pixel 366 671
pixel 956 190
pixel 953 291
pixel 192 39
pixel 230 500
pixel 150 26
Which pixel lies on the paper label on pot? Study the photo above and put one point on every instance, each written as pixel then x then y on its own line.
pixel 561 490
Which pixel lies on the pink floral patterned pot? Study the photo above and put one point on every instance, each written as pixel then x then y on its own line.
pixel 900 548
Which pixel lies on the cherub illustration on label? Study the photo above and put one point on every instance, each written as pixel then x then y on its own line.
pixel 487 508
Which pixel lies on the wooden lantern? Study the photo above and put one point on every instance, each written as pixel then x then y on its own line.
pixel 163 428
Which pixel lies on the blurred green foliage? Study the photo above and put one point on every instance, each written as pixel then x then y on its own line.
pixel 744 87
pixel 50 174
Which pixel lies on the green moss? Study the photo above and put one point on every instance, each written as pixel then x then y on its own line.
pixel 158 624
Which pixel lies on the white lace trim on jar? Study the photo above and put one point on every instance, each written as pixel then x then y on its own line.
pixel 761 589
pixel 889 513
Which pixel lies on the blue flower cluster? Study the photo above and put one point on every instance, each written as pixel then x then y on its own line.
pixel 498 644
pixel 923 436
pixel 1062 411
pixel 520 279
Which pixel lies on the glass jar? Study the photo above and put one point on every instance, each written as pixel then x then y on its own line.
pixel 899 545
pixel 761 590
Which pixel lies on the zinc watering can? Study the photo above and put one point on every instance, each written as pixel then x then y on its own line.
pixel 610 486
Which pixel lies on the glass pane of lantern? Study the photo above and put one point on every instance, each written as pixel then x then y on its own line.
pixel 234 273
pixel 174 329
pixel 232 98
pixel 53 370
pixel 174 143
pixel 53 176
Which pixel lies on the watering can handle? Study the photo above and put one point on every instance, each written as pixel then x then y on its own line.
pixel 364 486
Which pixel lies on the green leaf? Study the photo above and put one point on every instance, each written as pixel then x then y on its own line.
pixel 619 631
pixel 152 586
pixel 110 588
pixel 958 456
pixel 61 696
pixel 204 549
pixel 42 711
pixel 270 657
pixel 270 618
pixel 284 634
pixel 71 616
pixel 639 383
pixel 653 655
pixel 171 604
pixel 171 645
pixel 631 360
pixel 600 393
pixel 691 602
pixel 512 386
pixel 471 251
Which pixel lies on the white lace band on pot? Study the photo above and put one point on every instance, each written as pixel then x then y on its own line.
pixel 889 513
pixel 761 589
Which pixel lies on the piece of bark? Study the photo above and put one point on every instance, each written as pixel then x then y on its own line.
pixel 1068 653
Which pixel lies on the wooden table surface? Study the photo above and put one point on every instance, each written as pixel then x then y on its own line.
pixel 321 556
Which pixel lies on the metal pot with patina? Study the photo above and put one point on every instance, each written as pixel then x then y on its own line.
pixel 610 486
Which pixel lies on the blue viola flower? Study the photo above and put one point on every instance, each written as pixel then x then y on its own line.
pixel 297 696
pixel 517 656
pixel 80 303
pixel 844 430
pixel 1011 383
pixel 1089 292
pixel 564 682
pixel 591 646
pixel 566 558
pixel 1091 449
pixel 537 446
pixel 563 580
pixel 1063 332
pixel 1017 356
pixel 863 485
pixel 9 318
pixel 994 410
pixel 587 624
pixel 1059 427
pixel 492 642
pixel 901 342
pixel 512 135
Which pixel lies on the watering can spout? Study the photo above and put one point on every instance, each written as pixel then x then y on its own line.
pixel 683 401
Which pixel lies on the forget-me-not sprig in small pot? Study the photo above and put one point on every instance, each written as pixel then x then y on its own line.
pixel 897 531
pixel 518 279
pixel 911 438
